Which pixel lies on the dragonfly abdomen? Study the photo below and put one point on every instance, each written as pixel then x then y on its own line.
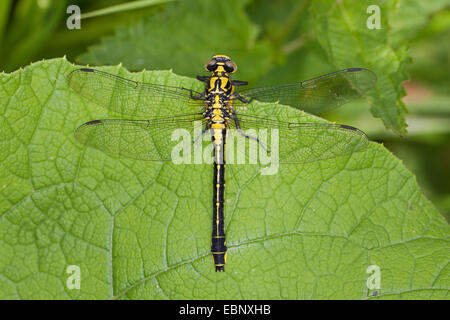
pixel 218 242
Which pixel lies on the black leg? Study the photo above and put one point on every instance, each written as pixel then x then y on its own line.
pixel 199 97
pixel 238 128
pixel 203 132
pixel 203 78
pixel 240 98
pixel 238 83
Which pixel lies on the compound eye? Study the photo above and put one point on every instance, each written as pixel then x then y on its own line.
pixel 211 65
pixel 230 67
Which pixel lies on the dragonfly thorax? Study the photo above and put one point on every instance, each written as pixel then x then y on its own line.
pixel 218 111
pixel 219 84
pixel 218 91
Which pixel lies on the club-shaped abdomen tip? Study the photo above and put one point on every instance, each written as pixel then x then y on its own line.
pixel 220 268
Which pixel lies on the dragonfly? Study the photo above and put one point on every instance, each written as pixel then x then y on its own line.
pixel 225 104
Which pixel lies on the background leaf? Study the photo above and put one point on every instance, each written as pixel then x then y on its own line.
pixel 142 230
pixel 342 27
pixel 193 37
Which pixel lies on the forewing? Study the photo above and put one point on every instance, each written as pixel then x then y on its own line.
pixel 319 94
pixel 132 98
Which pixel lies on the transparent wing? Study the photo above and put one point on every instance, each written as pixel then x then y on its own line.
pixel 141 139
pixel 319 94
pixel 132 98
pixel 156 139
pixel 302 142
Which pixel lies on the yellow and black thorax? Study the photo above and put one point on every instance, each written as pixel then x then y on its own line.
pixel 218 91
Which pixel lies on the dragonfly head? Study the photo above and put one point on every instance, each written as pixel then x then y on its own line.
pixel 220 63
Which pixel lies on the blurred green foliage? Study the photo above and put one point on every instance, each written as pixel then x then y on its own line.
pixel 274 41
pixel 31 30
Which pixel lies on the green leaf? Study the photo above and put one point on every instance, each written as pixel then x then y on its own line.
pixel 341 28
pixel 20 45
pixel 4 12
pixel 408 18
pixel 188 37
pixel 142 229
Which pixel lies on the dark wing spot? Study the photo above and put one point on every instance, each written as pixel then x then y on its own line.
pixel 92 122
pixel 353 69
pixel 348 127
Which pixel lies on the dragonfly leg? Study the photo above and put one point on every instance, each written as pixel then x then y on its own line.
pixel 241 98
pixel 203 132
pixel 238 128
pixel 238 83
pixel 199 97
pixel 204 78
pixel 252 138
